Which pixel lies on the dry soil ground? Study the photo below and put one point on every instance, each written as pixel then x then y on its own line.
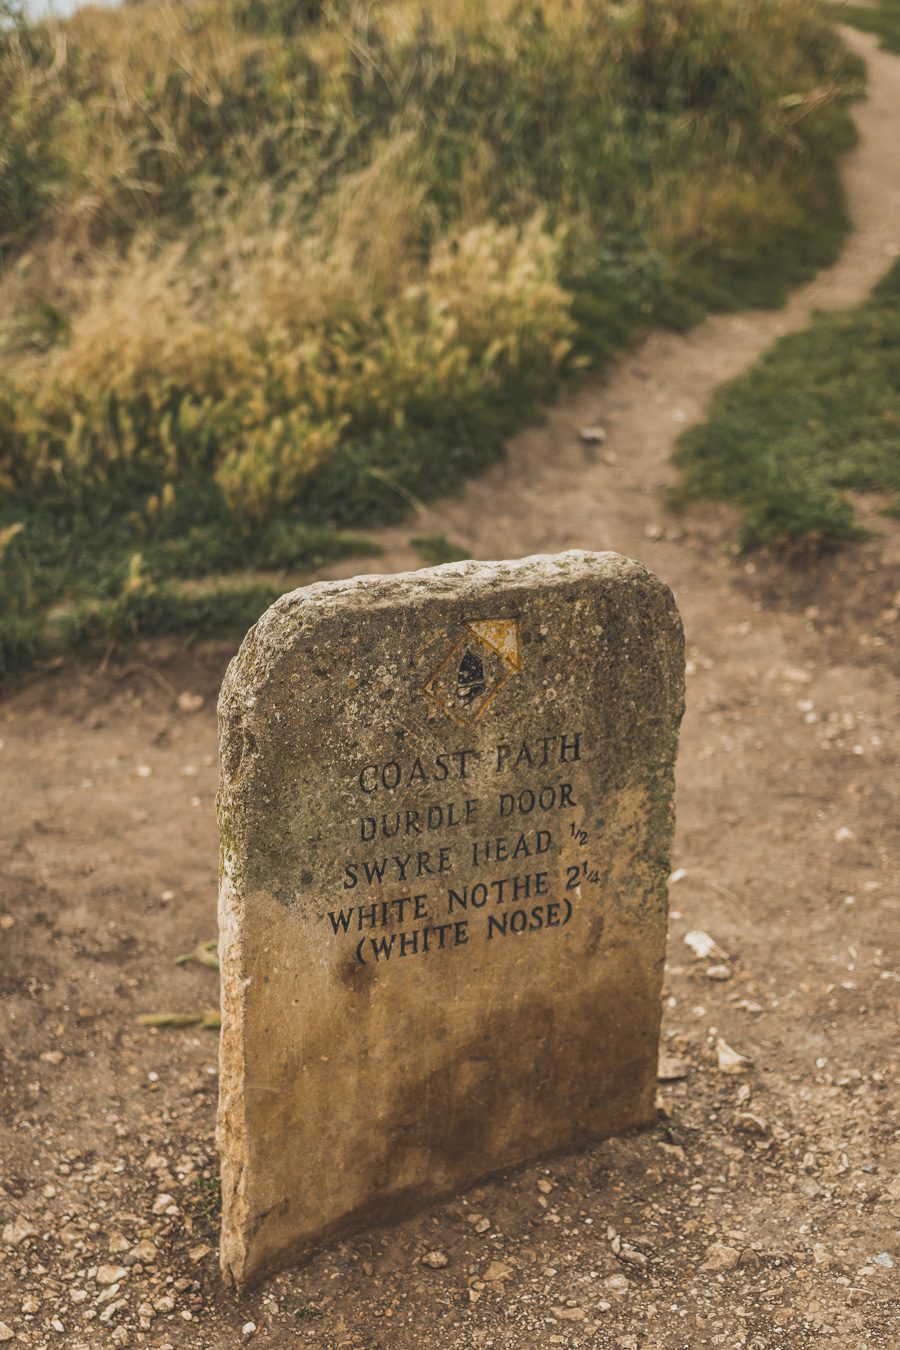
pixel 763 1210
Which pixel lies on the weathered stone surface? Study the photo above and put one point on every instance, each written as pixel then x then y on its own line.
pixel 445 817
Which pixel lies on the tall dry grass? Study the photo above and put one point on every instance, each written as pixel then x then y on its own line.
pixel 293 261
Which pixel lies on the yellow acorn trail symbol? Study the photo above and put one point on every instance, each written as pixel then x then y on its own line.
pixel 479 663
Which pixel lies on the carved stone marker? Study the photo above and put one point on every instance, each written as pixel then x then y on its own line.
pixel 445 815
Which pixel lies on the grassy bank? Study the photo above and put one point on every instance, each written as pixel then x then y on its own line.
pixel 819 414
pixel 273 272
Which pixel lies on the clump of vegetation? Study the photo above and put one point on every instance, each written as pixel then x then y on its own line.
pixel 273 272
pixel 817 415
pixel 435 549
pixel 207 1203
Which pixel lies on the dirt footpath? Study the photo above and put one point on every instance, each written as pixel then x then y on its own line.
pixel 763 1209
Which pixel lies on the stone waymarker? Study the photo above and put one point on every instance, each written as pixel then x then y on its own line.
pixel 445 816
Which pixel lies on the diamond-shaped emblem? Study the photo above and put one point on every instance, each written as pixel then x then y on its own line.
pixel 475 668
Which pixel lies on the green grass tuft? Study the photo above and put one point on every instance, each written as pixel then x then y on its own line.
pixel 817 415
pixel 435 549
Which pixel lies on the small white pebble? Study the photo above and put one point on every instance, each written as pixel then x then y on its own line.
pixel 144 771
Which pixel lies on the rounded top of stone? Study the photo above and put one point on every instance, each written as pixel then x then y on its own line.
pixel 455 578
pixel 471 581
